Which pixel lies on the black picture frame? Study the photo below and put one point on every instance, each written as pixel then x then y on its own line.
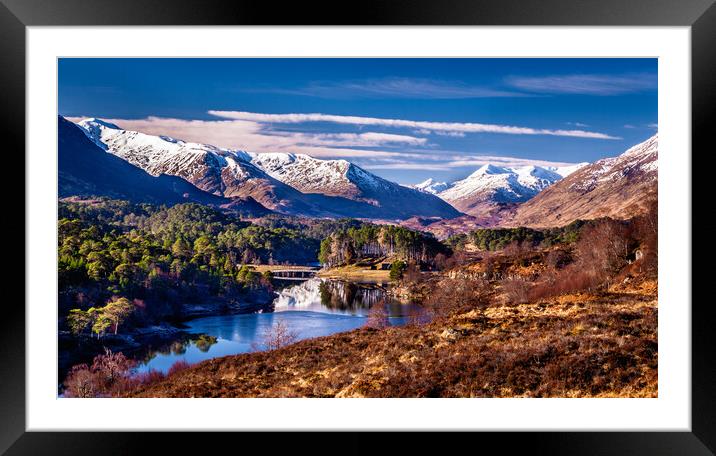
pixel 700 15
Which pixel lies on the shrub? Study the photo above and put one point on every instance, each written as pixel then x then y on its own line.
pixel 397 269
pixel 109 376
pixel 149 377
pixel 517 290
pixel 378 316
pixel 81 382
pixel 412 273
pixel 177 367
pixel 450 296
pixel 557 259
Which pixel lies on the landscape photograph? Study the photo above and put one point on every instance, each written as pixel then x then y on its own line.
pixel 357 227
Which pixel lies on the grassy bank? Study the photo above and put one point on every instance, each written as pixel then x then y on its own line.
pixel 356 273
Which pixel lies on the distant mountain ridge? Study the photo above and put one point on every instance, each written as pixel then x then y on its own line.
pixel 288 183
pixel 493 188
pixel 432 186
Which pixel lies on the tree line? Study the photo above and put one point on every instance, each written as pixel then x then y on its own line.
pixel 346 246
pixel 498 238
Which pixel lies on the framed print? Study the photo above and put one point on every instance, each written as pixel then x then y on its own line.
pixel 414 217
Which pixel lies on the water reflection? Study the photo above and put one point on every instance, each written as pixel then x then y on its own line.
pixel 314 308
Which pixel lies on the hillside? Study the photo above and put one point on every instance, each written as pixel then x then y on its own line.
pixel 565 347
pixel 618 187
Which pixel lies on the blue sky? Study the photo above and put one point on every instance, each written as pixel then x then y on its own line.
pixel 403 119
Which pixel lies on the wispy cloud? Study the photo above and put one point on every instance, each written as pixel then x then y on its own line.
pixel 369 139
pixel 479 160
pixel 396 88
pixel 454 127
pixel 470 162
pixel 254 137
pixel 585 84
pixel 640 126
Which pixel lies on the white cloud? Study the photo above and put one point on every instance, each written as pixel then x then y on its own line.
pixel 586 84
pixel 368 139
pixel 473 161
pixel 479 160
pixel 455 127
pixel 408 166
pixel 397 88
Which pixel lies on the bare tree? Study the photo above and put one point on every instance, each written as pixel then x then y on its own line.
pixel 278 335
pixel 378 315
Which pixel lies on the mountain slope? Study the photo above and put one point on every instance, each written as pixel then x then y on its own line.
pixel 294 184
pixel 85 169
pixel 618 187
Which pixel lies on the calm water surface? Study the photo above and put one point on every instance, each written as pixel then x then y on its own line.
pixel 316 307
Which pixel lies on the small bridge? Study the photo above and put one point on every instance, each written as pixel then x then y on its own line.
pixel 294 274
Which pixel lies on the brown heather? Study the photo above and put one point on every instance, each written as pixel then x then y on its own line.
pixel 576 345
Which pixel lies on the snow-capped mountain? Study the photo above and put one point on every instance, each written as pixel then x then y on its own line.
pixel 289 183
pixel 492 187
pixel 431 186
pixel 340 178
pixel 618 187
pixel 86 170
pixel 500 185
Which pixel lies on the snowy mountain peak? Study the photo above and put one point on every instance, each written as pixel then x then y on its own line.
pixel 530 173
pixel 647 147
pixel 489 169
pixel 493 184
pixel 93 121
pixel 431 186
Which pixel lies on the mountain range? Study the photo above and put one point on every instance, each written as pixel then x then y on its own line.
pixel 100 158
pixel 287 183
pixel 618 187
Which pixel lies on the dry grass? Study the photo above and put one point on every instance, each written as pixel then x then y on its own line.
pixel 356 273
pixel 574 345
